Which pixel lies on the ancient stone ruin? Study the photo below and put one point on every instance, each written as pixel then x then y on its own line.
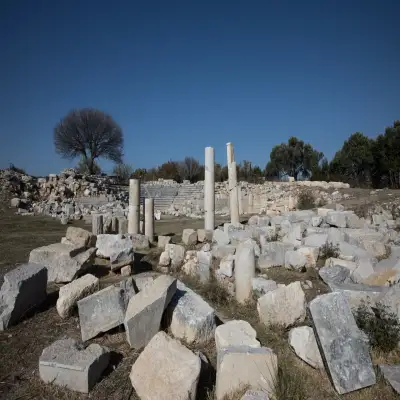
pixel 164 317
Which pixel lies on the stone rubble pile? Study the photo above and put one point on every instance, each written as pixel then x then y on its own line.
pixel 70 195
pixel 362 262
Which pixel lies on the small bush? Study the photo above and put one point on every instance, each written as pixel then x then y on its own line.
pixel 329 250
pixel 381 326
pixel 306 201
pixel 123 172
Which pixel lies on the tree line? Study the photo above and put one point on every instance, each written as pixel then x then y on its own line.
pixel 91 134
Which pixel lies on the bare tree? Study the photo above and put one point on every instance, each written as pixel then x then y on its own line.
pixel 190 169
pixel 91 134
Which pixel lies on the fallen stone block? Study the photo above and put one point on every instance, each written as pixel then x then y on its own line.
pixel 262 285
pixel 273 254
pixel 219 251
pixel 191 318
pixel 121 258
pixel 204 235
pixel 176 253
pixel 391 373
pixel 109 244
pixel 139 241
pixel 357 294
pixel 243 366
pixel 302 340
pixel 166 370
pixel 101 311
pixel 145 310
pixel 235 333
pixel 23 288
pixel 163 241
pixel 66 363
pixel 189 237
pixel 295 260
pixel 72 292
pixel 220 237
pixel 80 237
pixel 226 266
pixel 311 254
pixel 63 262
pixel 126 271
pixel 255 395
pixel 342 344
pixel 204 259
pixel 334 275
pixel 284 306
pixel 316 240
pixel 337 218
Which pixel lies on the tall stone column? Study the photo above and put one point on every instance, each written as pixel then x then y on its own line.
pixel 233 193
pixel 232 184
pixel 149 218
pixel 230 155
pixel 209 190
pixel 134 206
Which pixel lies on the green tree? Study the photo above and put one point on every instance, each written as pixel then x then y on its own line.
pixel 293 158
pixel 354 162
pixel 169 170
pixel 386 152
pixel 90 134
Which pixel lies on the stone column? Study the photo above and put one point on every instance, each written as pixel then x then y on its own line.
pixel 233 193
pixel 244 273
pixel 230 153
pixel 97 224
pixel 250 205
pixel 240 200
pixel 134 206
pixel 209 190
pixel 149 218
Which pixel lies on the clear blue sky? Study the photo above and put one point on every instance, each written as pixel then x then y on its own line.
pixel 182 75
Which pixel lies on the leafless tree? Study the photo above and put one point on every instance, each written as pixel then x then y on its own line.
pixel 89 133
pixel 190 169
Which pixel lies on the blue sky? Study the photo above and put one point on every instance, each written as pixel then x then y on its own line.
pixel 182 75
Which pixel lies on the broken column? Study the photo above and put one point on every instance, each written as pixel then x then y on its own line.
pixel 149 218
pixel 209 190
pixel 244 273
pixel 250 204
pixel 240 200
pixel 97 224
pixel 134 206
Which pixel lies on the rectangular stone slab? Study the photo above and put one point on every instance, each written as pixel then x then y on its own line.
pixel 342 344
pixel 101 311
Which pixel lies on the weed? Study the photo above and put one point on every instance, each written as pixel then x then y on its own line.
pixel 306 201
pixel 329 250
pixel 381 326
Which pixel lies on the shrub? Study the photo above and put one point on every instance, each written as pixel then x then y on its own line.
pixel 123 172
pixel 306 201
pixel 329 250
pixel 381 326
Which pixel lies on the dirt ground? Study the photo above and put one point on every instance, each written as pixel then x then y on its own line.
pixel 21 345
